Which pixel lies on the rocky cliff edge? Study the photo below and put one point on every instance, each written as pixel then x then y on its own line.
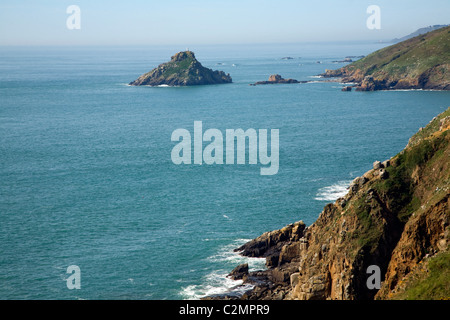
pixel 396 216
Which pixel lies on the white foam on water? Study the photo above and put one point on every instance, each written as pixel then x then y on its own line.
pixel 333 192
pixel 217 282
pixel 227 254
pixel 147 85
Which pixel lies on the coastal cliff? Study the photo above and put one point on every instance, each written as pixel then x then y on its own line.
pixel 182 70
pixel 422 62
pixel 396 216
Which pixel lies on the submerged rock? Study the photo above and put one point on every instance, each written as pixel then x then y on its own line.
pixel 182 70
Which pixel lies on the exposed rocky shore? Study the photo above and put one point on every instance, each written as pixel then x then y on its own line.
pixel 395 216
pixel 422 62
pixel 182 70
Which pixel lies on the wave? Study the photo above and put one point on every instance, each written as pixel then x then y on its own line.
pixel 217 282
pixel 407 90
pixel 158 86
pixel 315 81
pixel 227 254
pixel 333 192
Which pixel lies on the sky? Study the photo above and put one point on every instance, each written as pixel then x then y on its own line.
pixel 193 22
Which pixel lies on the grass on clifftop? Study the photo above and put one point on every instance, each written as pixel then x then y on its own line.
pixel 430 129
pixel 431 281
pixel 408 58
pixel 425 149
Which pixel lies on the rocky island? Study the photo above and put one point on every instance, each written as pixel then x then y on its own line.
pixel 396 217
pixel 182 70
pixel 276 79
pixel 422 62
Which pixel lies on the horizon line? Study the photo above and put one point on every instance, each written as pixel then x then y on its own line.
pixel 205 44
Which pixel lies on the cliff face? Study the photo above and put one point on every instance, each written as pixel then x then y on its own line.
pixel 182 70
pixel 396 216
pixel 422 62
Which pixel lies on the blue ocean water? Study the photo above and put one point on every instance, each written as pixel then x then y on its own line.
pixel 86 176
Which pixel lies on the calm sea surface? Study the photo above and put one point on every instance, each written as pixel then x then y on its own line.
pixel 86 176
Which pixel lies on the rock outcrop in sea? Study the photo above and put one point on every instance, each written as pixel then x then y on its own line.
pixel 395 217
pixel 182 70
pixel 422 62
pixel 276 79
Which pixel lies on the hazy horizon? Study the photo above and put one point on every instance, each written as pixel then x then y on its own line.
pixel 202 22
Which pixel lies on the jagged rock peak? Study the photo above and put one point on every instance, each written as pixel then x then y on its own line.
pixel 183 55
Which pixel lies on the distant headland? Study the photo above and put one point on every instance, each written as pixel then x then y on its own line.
pixel 422 62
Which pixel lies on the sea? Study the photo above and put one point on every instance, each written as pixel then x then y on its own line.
pixel 87 179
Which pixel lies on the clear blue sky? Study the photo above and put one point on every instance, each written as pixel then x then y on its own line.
pixel 114 22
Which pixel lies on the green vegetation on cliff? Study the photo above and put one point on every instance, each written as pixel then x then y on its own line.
pixel 422 62
pixel 396 216
pixel 428 281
